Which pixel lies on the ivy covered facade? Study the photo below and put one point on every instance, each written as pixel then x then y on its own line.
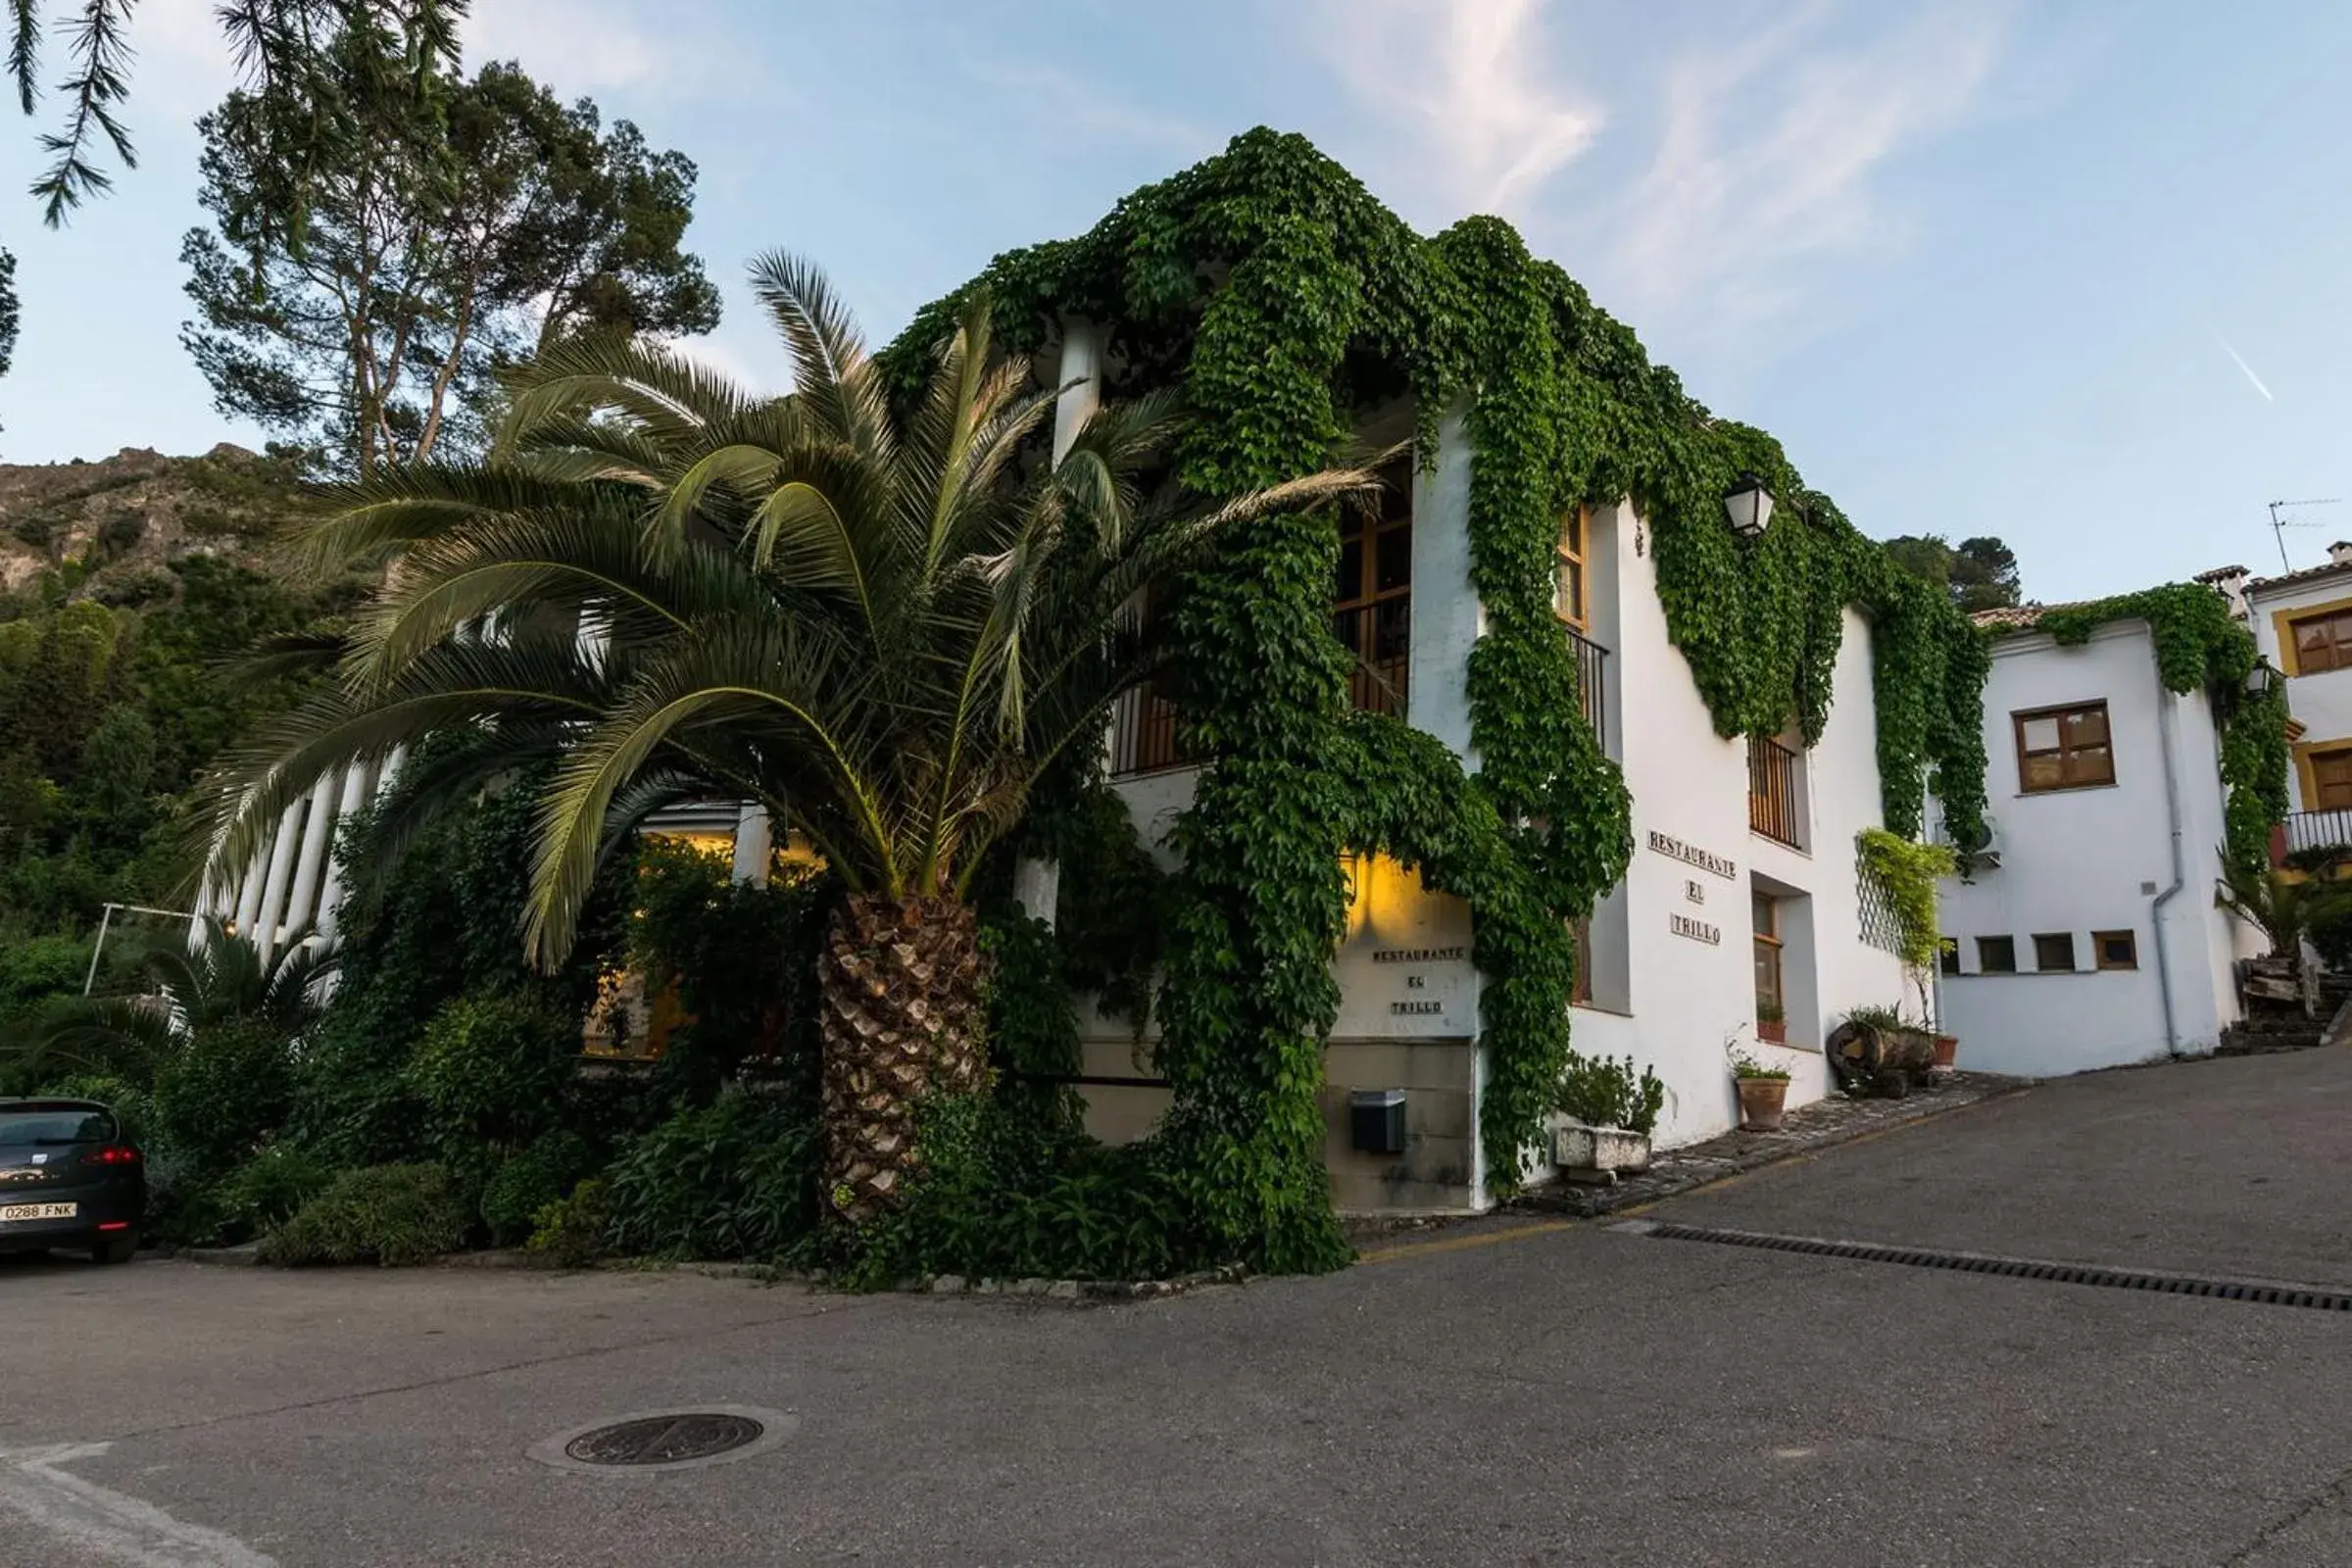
pixel 1297 315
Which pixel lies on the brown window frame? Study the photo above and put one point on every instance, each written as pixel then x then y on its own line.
pixel 2332 757
pixel 2098 948
pixel 2069 777
pixel 1580 993
pixel 1771 949
pixel 2008 943
pixel 2336 623
pixel 1375 684
pixel 1570 553
pixel 2070 966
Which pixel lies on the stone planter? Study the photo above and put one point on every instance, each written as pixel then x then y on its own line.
pixel 1947 1052
pixel 1599 1153
pixel 1772 1031
pixel 1762 1102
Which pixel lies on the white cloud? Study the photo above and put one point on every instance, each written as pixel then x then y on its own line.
pixel 1494 125
pixel 2243 366
pixel 1769 151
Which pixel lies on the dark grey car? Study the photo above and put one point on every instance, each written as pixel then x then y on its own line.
pixel 69 1179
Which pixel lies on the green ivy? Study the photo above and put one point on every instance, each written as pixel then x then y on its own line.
pixel 1282 299
pixel 2200 643
pixel 1906 873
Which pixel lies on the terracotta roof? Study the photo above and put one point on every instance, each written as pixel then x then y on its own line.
pixel 2218 573
pixel 2020 617
pixel 2307 574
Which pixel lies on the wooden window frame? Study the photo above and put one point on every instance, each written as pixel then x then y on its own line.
pixel 1579 993
pixel 2072 967
pixel 1986 968
pixel 2067 779
pixel 1371 687
pixel 1571 556
pixel 1770 944
pixel 2317 758
pixel 2336 618
pixel 2098 948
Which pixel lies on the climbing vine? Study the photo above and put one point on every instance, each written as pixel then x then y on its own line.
pixel 1282 299
pixel 2200 643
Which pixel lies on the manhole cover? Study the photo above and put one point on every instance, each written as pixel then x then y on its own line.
pixel 647 1441
pixel 665 1439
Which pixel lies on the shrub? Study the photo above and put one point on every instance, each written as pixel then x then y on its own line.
pixel 528 1181
pixel 1004 1198
pixel 493 1070
pixel 1601 1093
pixel 571 1232
pixel 133 1107
pixel 733 1179
pixel 223 1093
pixel 387 1214
pixel 264 1192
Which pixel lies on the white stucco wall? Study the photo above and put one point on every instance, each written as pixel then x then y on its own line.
pixel 1688 1001
pixel 2320 703
pixel 2095 860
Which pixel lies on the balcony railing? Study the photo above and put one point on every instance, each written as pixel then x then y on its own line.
pixel 2316 830
pixel 1592 696
pixel 1381 637
pixel 1775 808
pixel 1143 735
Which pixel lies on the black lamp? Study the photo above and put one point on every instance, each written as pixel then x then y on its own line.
pixel 1748 505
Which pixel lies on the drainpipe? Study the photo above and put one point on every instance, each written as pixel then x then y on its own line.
pixel 2172 810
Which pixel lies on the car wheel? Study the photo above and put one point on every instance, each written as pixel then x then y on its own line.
pixel 115 1250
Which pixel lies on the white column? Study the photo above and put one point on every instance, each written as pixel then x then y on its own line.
pixel 356 786
pixel 1082 365
pixel 249 893
pixel 391 769
pixel 755 846
pixel 273 884
pixel 317 836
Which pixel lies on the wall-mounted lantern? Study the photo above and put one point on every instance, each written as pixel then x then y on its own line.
pixel 2261 679
pixel 1748 505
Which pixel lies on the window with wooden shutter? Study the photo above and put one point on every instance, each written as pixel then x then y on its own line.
pixel 2064 749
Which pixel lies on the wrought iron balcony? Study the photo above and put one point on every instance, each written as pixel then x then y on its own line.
pixel 1592 693
pixel 2304 832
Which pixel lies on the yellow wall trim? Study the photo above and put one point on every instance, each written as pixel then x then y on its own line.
pixel 2282 622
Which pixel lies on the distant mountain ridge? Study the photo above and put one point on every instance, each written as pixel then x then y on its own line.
pixel 111 528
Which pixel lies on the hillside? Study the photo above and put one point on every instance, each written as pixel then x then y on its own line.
pixel 112 530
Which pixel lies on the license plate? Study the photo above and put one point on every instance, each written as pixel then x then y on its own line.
pixel 25 1211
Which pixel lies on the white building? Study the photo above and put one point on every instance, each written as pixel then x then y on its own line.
pixel 2302 622
pixel 2095 940
pixel 1744 885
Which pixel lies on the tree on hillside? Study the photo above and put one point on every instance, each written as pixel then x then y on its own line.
pixel 278 46
pixel 461 227
pixel 881 628
pixel 1978 573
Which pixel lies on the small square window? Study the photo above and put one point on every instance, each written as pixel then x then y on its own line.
pixel 2054 951
pixel 2116 950
pixel 1947 955
pixel 1996 955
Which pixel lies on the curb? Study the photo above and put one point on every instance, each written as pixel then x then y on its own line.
pixel 1077 1290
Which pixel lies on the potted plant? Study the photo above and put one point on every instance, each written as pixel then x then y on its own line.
pixel 1772 1023
pixel 1611 1113
pixel 1763 1092
pixel 1906 874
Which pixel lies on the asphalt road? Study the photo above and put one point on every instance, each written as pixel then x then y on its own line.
pixel 1509 1394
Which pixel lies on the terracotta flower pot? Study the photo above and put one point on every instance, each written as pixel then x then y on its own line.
pixel 1761 1103
pixel 1772 1031
pixel 1947 1049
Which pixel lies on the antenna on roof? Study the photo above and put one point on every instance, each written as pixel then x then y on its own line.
pixel 2278 528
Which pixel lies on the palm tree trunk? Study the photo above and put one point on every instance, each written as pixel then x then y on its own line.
pixel 901 983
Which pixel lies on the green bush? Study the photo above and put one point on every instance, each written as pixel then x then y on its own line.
pixel 388 1214
pixel 1006 1197
pixel 733 1179
pixel 1601 1093
pixel 571 1232
pixel 530 1179
pixel 493 1070
pixel 264 1192
pixel 223 1093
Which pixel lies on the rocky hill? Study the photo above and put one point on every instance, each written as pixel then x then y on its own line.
pixel 110 529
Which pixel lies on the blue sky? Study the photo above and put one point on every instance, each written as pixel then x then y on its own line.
pixel 2072 273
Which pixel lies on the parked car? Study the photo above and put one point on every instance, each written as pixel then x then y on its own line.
pixel 68 1177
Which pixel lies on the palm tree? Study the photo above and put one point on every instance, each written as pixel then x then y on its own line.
pixel 219 978
pixel 880 625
